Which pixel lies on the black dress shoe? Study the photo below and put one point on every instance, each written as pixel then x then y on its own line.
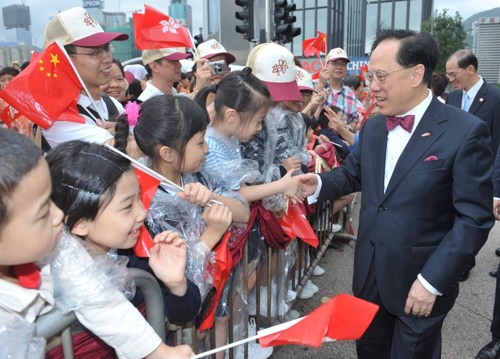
pixel 497 252
pixel 490 350
pixel 464 276
pixel 493 272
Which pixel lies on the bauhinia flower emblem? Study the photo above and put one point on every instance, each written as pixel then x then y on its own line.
pixel 170 25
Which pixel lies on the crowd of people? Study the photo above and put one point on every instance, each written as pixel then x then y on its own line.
pixel 235 151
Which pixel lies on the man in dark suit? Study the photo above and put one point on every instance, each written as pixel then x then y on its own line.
pixel 492 349
pixel 426 199
pixel 476 96
pixel 472 93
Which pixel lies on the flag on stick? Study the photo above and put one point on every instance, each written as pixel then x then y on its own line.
pixel 315 45
pixel 47 90
pixel 343 317
pixel 156 30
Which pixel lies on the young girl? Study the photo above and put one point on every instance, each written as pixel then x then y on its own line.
pixel 99 171
pixel 30 228
pixel 170 132
pixel 238 117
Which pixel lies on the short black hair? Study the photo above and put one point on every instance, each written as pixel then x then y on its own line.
pixel 84 177
pixel 416 48
pixel 466 58
pixel 7 70
pixel 18 156
pixel 353 81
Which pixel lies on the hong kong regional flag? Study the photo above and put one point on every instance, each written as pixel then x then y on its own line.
pixel 47 90
pixel 156 30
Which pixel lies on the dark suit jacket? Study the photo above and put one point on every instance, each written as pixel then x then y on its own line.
pixel 434 216
pixel 486 106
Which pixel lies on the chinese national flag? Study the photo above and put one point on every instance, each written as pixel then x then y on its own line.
pixel 47 90
pixel 296 225
pixel 315 45
pixel 343 317
pixel 223 265
pixel 156 30
pixel 148 186
pixel 364 70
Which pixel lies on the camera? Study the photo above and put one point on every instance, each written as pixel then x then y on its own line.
pixel 218 67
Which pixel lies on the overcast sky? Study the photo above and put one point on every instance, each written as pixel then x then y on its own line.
pixel 42 10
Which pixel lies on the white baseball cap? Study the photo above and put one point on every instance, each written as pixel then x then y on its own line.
pixel 76 27
pixel 337 53
pixel 274 65
pixel 168 53
pixel 304 80
pixel 212 48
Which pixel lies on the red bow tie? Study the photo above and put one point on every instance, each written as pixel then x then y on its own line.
pixel 405 122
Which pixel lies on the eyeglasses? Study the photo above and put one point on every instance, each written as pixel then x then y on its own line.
pixel 97 51
pixel 453 75
pixel 380 75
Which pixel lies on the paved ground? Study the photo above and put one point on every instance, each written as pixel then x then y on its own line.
pixel 466 329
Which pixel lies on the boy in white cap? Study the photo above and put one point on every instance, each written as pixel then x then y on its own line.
pixel 164 69
pixel 89 48
pixel 331 77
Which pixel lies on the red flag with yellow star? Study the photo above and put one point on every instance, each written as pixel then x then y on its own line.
pixel 315 45
pixel 47 90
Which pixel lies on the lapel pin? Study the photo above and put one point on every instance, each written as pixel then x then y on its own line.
pixel 481 99
pixel 425 134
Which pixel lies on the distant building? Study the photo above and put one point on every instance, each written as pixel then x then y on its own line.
pixel 486 47
pixel 18 17
pixel 181 12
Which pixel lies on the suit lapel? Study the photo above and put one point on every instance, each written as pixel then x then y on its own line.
pixel 378 149
pixel 427 132
pixel 479 99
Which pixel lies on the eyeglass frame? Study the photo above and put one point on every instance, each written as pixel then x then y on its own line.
pixel 453 75
pixel 98 51
pixel 370 76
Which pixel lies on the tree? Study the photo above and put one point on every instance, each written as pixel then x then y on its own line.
pixel 449 34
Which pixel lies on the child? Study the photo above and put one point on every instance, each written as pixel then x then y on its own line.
pixel 170 132
pixel 239 115
pixel 82 174
pixel 30 227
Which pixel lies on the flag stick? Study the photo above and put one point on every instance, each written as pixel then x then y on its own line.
pixel 152 173
pixel 196 55
pixel 149 171
pixel 260 334
pixel 81 82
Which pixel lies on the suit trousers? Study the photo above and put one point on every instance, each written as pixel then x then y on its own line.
pixel 397 337
pixel 495 323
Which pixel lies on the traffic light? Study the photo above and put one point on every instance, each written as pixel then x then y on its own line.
pixel 246 16
pixel 284 31
pixel 198 39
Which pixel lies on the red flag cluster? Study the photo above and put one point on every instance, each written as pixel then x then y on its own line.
pixel 315 45
pixel 46 91
pixel 156 30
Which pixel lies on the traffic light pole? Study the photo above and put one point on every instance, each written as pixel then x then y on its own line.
pixel 269 20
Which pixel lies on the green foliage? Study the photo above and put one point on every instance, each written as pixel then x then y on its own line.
pixel 449 34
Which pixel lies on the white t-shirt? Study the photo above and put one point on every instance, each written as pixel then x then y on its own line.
pixel 63 131
pixel 151 91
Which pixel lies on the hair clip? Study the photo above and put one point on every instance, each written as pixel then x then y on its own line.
pixel 132 111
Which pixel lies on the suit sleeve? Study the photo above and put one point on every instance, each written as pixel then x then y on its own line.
pixel 472 194
pixel 496 175
pixel 346 179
